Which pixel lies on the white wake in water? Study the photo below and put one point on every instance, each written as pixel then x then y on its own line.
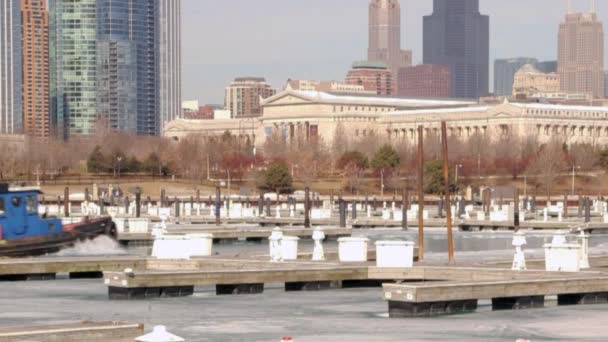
pixel 102 245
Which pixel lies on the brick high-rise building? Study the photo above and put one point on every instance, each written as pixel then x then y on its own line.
pixel 581 53
pixel 36 109
pixel 456 34
pixel 385 35
pixel 373 76
pixel 425 80
pixel 243 96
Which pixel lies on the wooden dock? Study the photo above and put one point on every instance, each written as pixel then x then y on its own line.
pixel 73 332
pixel 76 267
pixel 238 233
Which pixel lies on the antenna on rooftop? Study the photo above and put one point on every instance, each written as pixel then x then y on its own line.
pixel 569 6
pixel 592 7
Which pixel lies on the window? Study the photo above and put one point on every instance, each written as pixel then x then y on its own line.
pixel 16 201
pixel 2 208
pixel 31 204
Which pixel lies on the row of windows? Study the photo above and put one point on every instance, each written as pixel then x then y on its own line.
pixel 569 114
pixel 362 108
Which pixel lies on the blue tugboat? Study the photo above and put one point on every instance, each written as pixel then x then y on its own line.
pixel 24 233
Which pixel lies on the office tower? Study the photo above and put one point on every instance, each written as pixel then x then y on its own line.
pixel 528 81
pixel 11 81
pixel 547 66
pixel 457 35
pixel 581 53
pixel 385 35
pixel 73 66
pixel 170 60
pixel 126 65
pixel 425 81
pixel 243 96
pixel 373 76
pixel 605 84
pixel 36 115
pixel 504 71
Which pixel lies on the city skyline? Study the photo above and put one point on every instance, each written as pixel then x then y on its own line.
pixel 326 50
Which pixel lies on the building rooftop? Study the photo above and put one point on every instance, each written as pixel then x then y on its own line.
pixel 366 100
pixel 370 65
pixel 250 79
pixel 560 107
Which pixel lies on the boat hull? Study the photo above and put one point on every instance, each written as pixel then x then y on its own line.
pixel 40 245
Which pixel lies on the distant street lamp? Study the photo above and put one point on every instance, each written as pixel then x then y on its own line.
pixel 118 159
pixel 574 168
pixel 456 177
pixel 382 183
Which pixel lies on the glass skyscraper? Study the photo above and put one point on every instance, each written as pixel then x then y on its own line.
pixel 126 65
pixel 74 65
pixel 134 69
pixel 504 72
pixel 170 60
pixel 457 35
pixel 11 79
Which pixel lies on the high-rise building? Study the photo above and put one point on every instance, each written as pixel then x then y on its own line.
pixel 424 81
pixel 504 71
pixel 243 96
pixel 127 84
pixel 11 80
pixel 36 115
pixel 385 35
pixel 581 53
pixel 332 87
pixel 170 60
pixel 457 35
pixel 373 76
pixel 119 60
pixel 73 66
pixel 605 84
pixel 546 66
pixel 529 80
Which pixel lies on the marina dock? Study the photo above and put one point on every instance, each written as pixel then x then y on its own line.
pixel 73 332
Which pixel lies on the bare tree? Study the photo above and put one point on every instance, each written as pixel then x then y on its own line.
pixel 548 164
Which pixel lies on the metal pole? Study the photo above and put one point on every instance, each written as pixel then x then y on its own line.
pixel 218 205
pixel 446 176
pixel 516 210
pixel 138 203
pixel 342 209
pixel 420 194
pixel 66 202
pixel 573 170
pixel 307 207
pixel 404 207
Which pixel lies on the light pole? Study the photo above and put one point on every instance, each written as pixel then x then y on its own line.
pixel 525 185
pixel 382 183
pixel 118 160
pixel 456 177
pixel 574 168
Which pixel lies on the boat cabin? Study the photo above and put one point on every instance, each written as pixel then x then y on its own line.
pixel 19 217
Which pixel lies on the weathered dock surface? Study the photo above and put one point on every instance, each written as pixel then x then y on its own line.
pixel 461 289
pixel 73 332
pixel 235 233
pixel 77 267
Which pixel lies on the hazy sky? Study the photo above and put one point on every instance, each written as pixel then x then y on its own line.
pixel 319 39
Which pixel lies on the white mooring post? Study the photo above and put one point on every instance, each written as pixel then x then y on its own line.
pixel 584 241
pixel 519 260
pixel 318 254
pixel 275 244
pixel 159 334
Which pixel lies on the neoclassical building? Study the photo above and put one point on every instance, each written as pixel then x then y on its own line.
pixel 294 115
